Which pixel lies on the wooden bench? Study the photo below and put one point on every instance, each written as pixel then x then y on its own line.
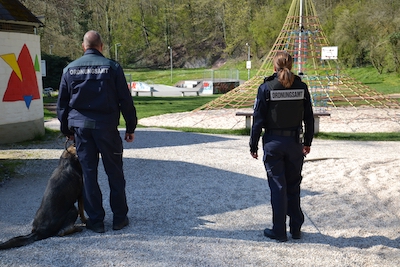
pixel 317 115
pixel 189 91
pixel 248 116
pixel 150 90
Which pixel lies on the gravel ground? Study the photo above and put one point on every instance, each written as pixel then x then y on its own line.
pixel 201 200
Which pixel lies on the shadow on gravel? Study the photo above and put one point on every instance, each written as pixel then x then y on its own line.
pixel 175 198
pixel 144 138
pixel 356 241
pixel 147 138
pixel 172 197
pixel 51 142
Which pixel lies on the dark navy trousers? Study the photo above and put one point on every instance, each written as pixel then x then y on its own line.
pixel 90 143
pixel 283 160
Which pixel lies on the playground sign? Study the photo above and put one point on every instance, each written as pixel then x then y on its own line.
pixel 329 52
pixel 248 64
pixel 207 88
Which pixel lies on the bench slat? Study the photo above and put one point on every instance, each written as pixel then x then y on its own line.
pixel 151 90
pixel 248 116
pixel 189 91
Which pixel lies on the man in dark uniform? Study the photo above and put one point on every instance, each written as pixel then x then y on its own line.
pixel 93 93
pixel 282 105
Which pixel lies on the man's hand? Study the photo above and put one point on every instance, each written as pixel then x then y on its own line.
pixel 254 155
pixel 129 137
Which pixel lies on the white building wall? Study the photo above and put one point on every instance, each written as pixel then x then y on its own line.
pixel 19 120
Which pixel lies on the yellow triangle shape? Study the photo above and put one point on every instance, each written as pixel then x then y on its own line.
pixel 11 60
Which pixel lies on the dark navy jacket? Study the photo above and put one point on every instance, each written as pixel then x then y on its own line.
pixel 93 93
pixel 262 108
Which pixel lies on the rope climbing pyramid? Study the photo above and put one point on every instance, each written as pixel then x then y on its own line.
pixel 329 86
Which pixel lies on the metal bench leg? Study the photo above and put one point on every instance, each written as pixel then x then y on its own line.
pixel 316 124
pixel 248 122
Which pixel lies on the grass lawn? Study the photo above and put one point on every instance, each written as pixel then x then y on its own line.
pixel 147 106
pixel 360 136
pixel 164 76
pixel 388 83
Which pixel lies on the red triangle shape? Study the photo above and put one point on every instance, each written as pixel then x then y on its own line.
pixel 18 90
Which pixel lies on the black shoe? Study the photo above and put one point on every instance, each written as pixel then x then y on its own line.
pixel 296 234
pixel 95 227
pixel 270 234
pixel 119 226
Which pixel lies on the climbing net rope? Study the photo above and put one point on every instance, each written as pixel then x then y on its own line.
pixel 329 86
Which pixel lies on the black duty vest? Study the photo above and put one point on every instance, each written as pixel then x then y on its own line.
pixel 285 105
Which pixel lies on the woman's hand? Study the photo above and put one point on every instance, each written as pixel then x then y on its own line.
pixel 306 150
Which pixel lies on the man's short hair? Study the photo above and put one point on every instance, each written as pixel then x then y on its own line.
pixel 92 39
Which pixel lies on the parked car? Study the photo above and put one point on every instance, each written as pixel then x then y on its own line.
pixel 48 91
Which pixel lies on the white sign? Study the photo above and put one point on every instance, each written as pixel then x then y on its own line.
pixel 43 67
pixel 140 86
pixel 248 64
pixel 329 52
pixel 190 84
pixel 207 88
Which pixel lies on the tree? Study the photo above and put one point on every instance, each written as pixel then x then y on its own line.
pixel 54 70
pixel 266 25
pixel 202 31
pixel 349 36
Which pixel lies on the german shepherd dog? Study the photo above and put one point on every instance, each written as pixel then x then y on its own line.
pixel 57 213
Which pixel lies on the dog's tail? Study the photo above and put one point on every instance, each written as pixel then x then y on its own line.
pixel 19 241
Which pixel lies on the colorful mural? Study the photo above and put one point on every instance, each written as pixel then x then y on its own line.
pixel 22 85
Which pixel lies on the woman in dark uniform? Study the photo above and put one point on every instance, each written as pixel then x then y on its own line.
pixel 282 106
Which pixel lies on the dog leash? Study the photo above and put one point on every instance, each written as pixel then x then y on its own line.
pixel 66 143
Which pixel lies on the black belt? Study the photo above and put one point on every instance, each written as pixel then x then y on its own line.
pixel 282 132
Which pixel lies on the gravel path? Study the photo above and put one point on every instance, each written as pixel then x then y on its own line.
pixel 201 200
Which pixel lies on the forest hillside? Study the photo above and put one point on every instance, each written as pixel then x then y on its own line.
pixel 201 32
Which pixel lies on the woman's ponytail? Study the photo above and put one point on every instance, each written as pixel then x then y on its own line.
pixel 283 66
